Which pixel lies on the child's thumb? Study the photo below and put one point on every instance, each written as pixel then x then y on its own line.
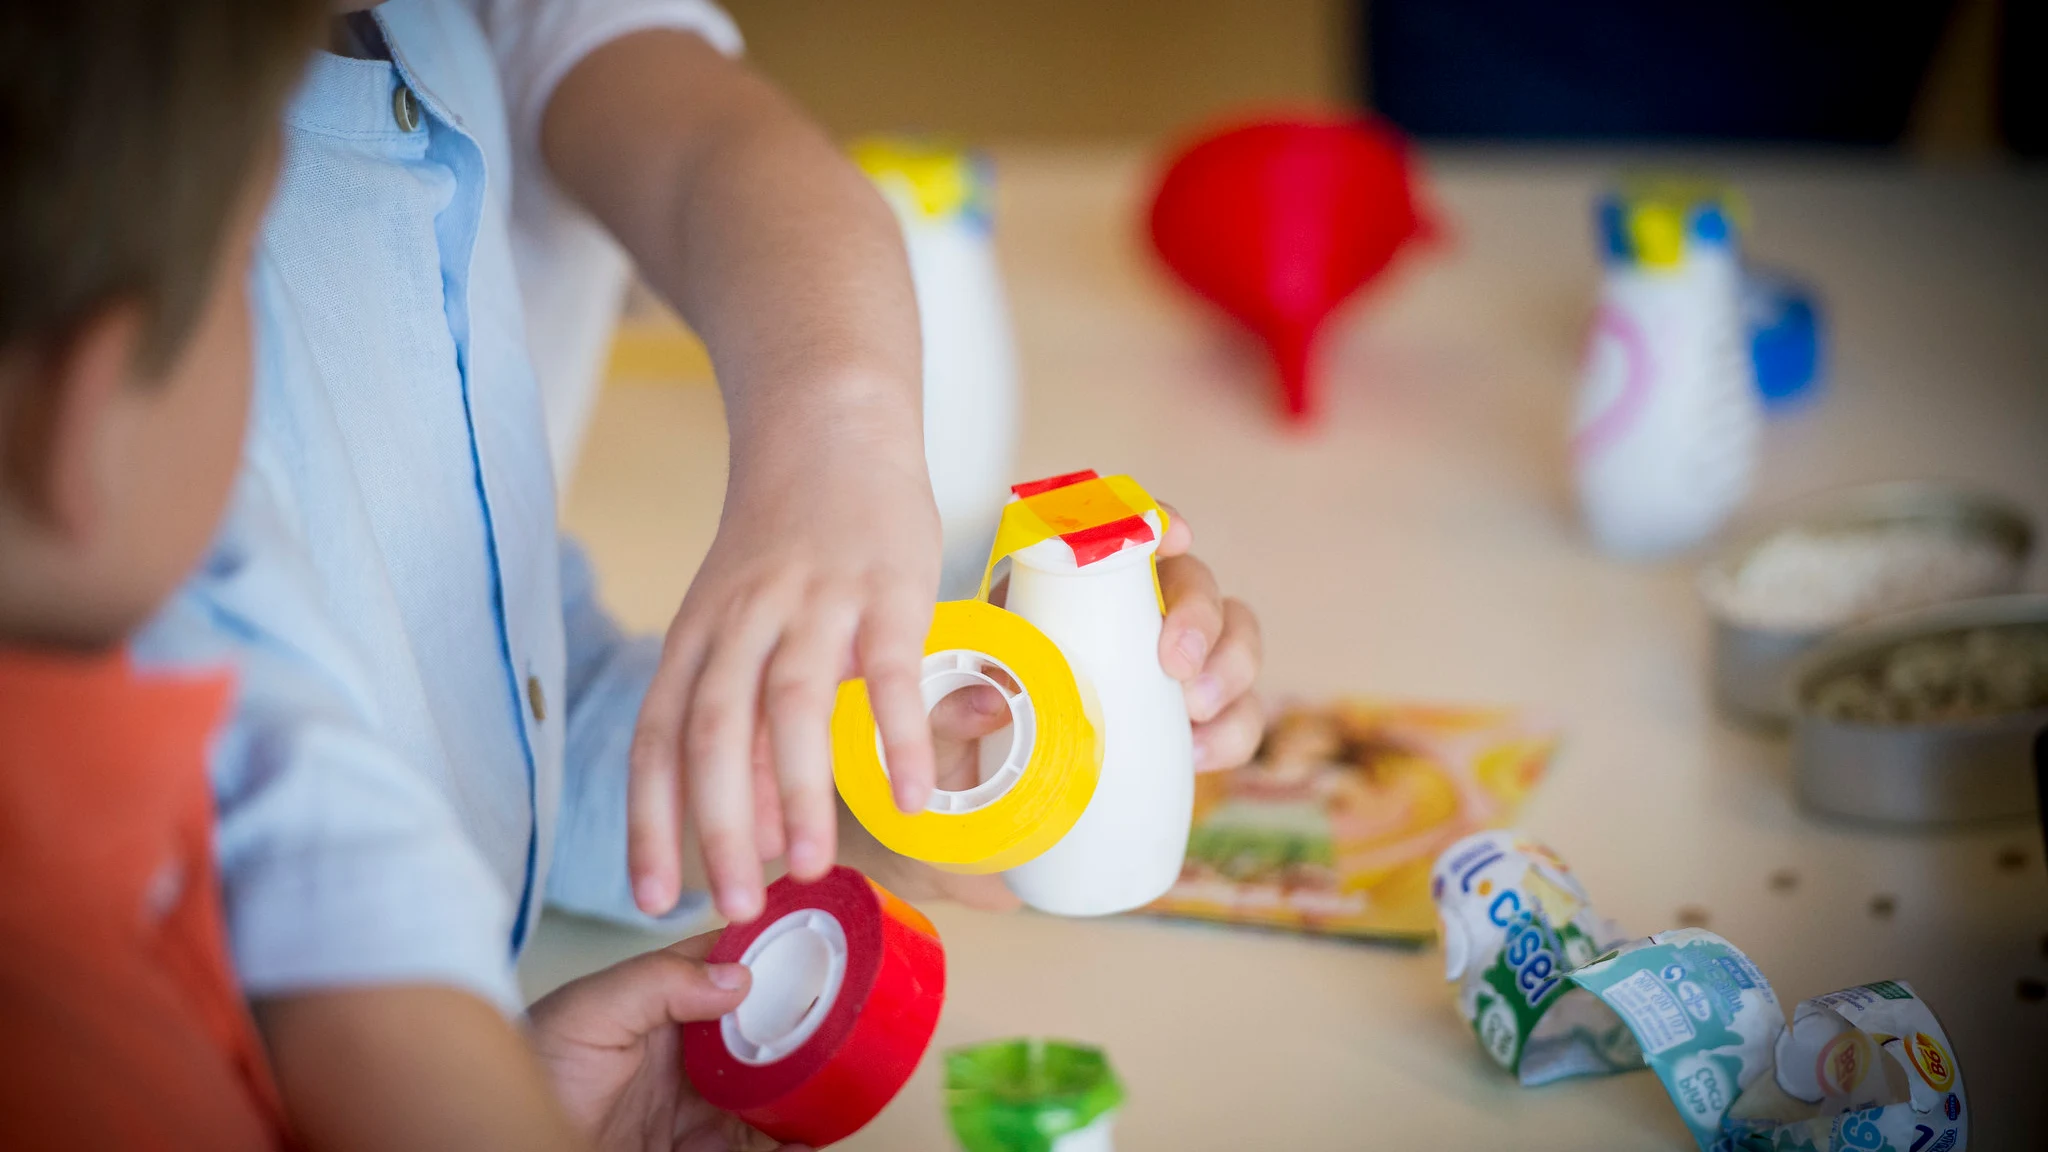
pixel 663 988
pixel 689 989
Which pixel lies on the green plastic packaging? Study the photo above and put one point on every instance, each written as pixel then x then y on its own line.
pixel 1515 921
pixel 1026 1095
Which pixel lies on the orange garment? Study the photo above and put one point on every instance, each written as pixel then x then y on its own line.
pixel 120 1022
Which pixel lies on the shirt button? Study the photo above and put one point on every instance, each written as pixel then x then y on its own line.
pixel 536 699
pixel 405 108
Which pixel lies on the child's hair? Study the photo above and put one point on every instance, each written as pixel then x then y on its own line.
pixel 128 132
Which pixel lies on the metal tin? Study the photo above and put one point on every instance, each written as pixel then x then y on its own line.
pixel 1751 665
pixel 1749 671
pixel 1914 774
pixel 2041 778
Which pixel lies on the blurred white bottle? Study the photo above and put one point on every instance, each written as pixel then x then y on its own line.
pixel 1664 437
pixel 941 198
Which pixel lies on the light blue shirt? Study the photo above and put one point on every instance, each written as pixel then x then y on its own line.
pixel 435 710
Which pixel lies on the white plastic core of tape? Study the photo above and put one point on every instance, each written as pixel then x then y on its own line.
pixel 797 966
pixel 947 672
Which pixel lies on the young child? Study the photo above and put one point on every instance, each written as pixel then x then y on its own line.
pixel 138 144
pixel 138 149
pixel 393 568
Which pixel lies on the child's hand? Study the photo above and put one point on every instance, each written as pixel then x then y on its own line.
pixel 825 567
pixel 611 1047
pixel 1212 645
pixel 1209 643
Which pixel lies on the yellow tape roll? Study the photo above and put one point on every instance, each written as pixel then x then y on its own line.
pixel 1042 789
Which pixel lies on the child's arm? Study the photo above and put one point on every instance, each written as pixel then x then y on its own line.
pixel 787 262
pixel 408 1067
pixel 430 1068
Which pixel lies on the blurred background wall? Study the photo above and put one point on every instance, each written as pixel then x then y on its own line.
pixel 1063 70
pixel 1046 69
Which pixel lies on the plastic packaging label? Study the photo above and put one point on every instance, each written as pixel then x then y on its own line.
pixel 1864 1068
pixel 1515 922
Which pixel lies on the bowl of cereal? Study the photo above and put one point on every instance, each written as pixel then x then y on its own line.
pixel 1841 559
pixel 1926 717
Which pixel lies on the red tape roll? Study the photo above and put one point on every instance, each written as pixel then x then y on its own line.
pixel 848 981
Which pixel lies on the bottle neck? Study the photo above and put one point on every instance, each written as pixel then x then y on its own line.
pixel 1127 566
pixel 1121 588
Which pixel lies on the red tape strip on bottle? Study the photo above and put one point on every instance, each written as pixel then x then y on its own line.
pixel 847 984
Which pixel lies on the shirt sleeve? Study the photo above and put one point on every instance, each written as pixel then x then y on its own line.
pixel 340 864
pixel 608 674
pixel 537 42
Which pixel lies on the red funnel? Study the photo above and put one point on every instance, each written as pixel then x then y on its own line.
pixel 1280 222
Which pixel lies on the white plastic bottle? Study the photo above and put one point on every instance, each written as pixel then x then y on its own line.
pixel 1665 430
pixel 941 199
pixel 1127 848
pixel 1097 1137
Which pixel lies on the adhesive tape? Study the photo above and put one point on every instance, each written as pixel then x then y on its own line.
pixel 1096 516
pixel 847 985
pixel 1021 807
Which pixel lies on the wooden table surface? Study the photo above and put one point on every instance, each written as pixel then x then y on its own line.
pixel 1421 546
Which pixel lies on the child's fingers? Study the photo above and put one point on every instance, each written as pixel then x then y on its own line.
pixel 619 1006
pixel 916 881
pixel 891 651
pixel 985 893
pixel 768 841
pixel 718 744
pixel 721 805
pixel 695 947
pixel 802 679
pixel 969 714
pixel 653 779
pixel 1230 739
pixel 1179 538
pixel 685 989
pixel 1232 666
pixel 1194 616
pixel 958 722
pixel 729 1135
